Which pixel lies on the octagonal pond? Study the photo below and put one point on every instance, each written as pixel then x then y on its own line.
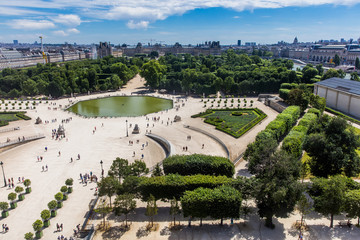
pixel 124 106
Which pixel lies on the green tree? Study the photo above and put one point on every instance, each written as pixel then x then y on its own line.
pixel 103 209
pixel 4 207
pixel 153 72
pixel 45 215
pixel 277 187
pixel 304 206
pixel 352 204
pixel 298 97
pixel 107 187
pixel 157 171
pixel 29 236
pixel 37 226
pixel 330 74
pixel 19 190
pixel 228 84
pixel 55 89
pixel 151 209
pixel 138 167
pixel 125 204
pixel 11 198
pixel 329 195
pixel 354 76
pixel 357 63
pixel 119 168
pixel 333 150
pixel 174 208
pixel 27 184
pixel 29 88
pixel 337 60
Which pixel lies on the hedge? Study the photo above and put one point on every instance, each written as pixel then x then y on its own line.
pixel 222 202
pixel 225 128
pixel 293 142
pixel 289 85
pixel 284 93
pixel 198 164
pixel 283 122
pixel 342 115
pixel 174 185
pixel 315 111
pixel 23 116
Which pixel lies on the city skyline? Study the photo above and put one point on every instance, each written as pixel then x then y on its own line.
pixel 187 22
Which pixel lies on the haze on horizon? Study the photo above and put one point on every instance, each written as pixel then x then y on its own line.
pixel 185 21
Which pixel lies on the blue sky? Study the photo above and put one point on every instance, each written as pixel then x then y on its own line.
pixel 184 21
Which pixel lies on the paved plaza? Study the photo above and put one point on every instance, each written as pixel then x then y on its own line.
pixel 97 139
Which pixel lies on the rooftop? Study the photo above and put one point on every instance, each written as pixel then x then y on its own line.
pixel 340 84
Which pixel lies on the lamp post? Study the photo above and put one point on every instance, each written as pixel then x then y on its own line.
pixel 102 170
pixel 1 163
pixel 127 134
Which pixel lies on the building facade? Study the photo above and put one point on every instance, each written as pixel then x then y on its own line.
pixel 340 94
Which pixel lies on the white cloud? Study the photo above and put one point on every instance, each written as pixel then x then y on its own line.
pixel 12 11
pixel 67 19
pixel 73 30
pixel 137 25
pixel 60 33
pixel 140 12
pixel 236 17
pixel 29 24
pixel 66 32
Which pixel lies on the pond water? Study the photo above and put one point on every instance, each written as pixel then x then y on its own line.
pixel 126 106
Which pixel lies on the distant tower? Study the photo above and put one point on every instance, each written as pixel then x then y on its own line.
pixel 295 40
pixel 239 43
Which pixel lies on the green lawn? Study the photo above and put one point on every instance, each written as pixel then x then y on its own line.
pixel 6 117
pixel 235 121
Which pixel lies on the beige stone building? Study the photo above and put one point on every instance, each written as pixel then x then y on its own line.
pixel 340 94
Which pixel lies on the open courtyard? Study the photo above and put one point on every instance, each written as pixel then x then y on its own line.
pixel 103 139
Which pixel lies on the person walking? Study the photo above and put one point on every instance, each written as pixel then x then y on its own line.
pixel 61 227
pixel 58 227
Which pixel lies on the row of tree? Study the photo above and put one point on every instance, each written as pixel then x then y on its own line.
pixel 66 78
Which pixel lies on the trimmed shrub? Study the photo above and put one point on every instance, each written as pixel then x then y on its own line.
pixel 174 185
pixel 218 203
pixel 198 164
pixel 315 111
pixel 284 93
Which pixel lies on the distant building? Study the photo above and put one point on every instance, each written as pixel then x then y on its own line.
pixel 250 44
pixel 340 94
pixel 104 49
pixel 295 40
pixel 239 43
pixel 16 42
pixel 326 53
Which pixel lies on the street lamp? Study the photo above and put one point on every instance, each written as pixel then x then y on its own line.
pixel 127 134
pixel 1 163
pixel 102 170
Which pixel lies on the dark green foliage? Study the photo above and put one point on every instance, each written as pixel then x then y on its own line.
pixel 337 60
pixel 6 117
pixel 357 63
pixel 173 185
pixel 218 203
pixel 293 142
pixel 329 195
pixel 332 148
pixel 284 93
pixel 277 188
pixel 71 77
pixel 198 164
pixel 235 125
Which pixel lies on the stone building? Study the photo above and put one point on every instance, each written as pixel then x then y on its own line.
pixel 104 49
pixel 340 94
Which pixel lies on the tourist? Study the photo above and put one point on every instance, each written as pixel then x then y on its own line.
pixel 46 167
pixel 133 153
pixel 202 147
pixel 42 168
pixel 142 156
pixel 78 157
pixel 59 153
pixel 61 227
pixel 58 227
pixel 45 149
pixel 71 159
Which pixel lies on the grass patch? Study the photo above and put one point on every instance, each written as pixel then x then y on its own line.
pixel 234 122
pixel 340 114
pixel 6 117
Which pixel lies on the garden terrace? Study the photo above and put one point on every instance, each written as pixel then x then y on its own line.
pixel 234 122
